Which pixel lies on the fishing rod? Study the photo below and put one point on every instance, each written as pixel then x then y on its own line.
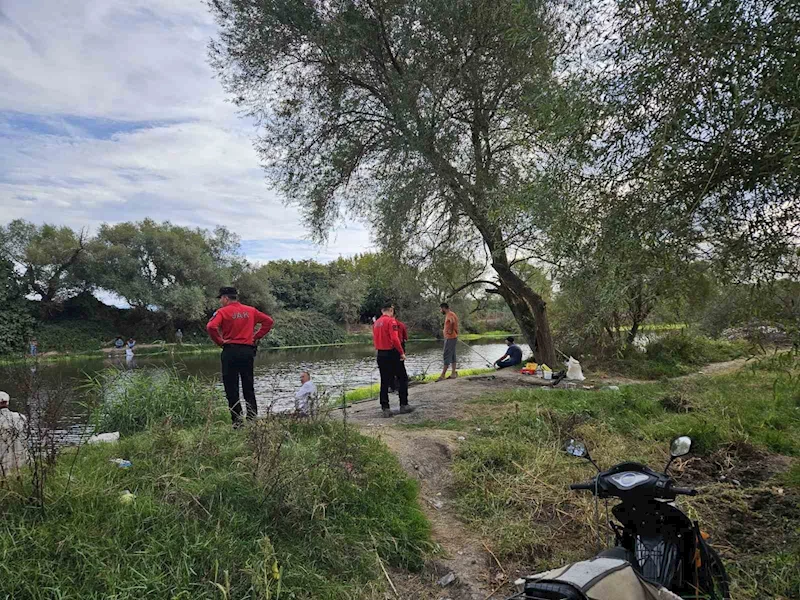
pixel 488 364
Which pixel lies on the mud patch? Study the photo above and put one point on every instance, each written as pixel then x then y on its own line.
pixel 739 464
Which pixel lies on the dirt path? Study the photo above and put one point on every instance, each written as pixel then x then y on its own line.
pixel 426 454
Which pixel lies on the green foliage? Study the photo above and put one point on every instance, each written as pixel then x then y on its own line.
pixel 174 268
pixel 64 336
pixel 735 305
pixel 53 260
pixel 693 350
pixel 296 285
pixel 204 526
pixel 16 324
pixel 133 401
pixel 295 328
pixel 732 73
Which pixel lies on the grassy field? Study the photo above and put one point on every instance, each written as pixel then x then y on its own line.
pixel 672 355
pixel 282 509
pixel 512 477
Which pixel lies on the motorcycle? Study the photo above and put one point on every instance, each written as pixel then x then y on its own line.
pixel 659 552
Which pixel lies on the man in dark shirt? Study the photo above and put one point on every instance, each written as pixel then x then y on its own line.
pixel 391 359
pixel 512 357
pixel 233 328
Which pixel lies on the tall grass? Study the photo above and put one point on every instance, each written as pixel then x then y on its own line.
pixel 212 520
pixel 133 401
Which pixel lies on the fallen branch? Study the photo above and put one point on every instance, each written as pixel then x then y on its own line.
pixel 389 579
pixel 495 558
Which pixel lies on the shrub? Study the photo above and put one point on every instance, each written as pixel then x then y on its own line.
pixel 682 348
pixel 133 401
pixel 303 329
pixel 74 335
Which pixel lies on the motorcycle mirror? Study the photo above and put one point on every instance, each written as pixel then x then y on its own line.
pixel 576 448
pixel 680 446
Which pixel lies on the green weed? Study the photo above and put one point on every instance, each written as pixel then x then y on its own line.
pixel 133 401
pixel 204 524
pixel 513 484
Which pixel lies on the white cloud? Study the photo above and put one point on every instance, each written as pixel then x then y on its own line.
pixel 176 150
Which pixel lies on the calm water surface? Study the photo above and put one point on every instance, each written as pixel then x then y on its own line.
pixel 277 372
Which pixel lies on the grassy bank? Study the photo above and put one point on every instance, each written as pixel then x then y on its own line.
pixel 672 355
pixel 511 476
pixel 371 391
pixel 282 509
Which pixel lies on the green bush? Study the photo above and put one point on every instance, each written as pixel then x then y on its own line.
pixel 133 401
pixel 294 328
pixel 686 349
pixel 63 336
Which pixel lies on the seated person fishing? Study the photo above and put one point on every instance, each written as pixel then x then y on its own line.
pixel 512 357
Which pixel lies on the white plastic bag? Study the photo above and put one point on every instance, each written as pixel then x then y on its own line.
pixel 101 438
pixel 574 371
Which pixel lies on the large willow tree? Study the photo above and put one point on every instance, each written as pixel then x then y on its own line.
pixel 422 116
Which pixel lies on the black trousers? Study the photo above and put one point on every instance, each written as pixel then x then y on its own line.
pixel 391 368
pixel 237 362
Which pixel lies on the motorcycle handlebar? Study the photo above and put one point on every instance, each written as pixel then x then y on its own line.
pixel 589 485
pixel 683 491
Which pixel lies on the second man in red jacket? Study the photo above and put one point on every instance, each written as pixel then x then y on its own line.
pixel 391 359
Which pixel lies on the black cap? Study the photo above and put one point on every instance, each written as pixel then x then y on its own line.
pixel 227 291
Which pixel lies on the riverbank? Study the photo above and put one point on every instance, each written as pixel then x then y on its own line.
pixel 473 483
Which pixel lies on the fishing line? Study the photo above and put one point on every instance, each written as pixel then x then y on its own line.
pixel 486 360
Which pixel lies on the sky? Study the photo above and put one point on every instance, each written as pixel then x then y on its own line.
pixel 109 112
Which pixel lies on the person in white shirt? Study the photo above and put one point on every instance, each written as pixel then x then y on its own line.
pixel 304 396
pixel 13 435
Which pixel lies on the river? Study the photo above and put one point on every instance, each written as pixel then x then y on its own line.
pixel 277 372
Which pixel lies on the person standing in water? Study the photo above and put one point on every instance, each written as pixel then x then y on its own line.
pixel 450 340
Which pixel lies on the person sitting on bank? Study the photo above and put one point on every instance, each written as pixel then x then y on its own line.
pixel 512 357
pixel 119 342
pixel 304 396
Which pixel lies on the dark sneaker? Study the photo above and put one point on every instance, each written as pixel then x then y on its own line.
pixel 405 409
pixel 387 413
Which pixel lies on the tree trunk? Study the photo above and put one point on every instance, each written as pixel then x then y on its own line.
pixel 632 333
pixel 530 311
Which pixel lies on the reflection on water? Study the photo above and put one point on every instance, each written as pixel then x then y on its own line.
pixel 277 373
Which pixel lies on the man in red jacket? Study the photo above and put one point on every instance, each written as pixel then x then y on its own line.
pixel 234 328
pixel 391 359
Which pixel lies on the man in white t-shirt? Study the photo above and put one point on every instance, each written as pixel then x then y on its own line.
pixel 304 396
pixel 13 437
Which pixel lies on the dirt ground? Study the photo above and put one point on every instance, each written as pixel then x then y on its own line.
pixel 426 454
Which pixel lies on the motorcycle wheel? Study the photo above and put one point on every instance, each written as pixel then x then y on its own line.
pixel 719 583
